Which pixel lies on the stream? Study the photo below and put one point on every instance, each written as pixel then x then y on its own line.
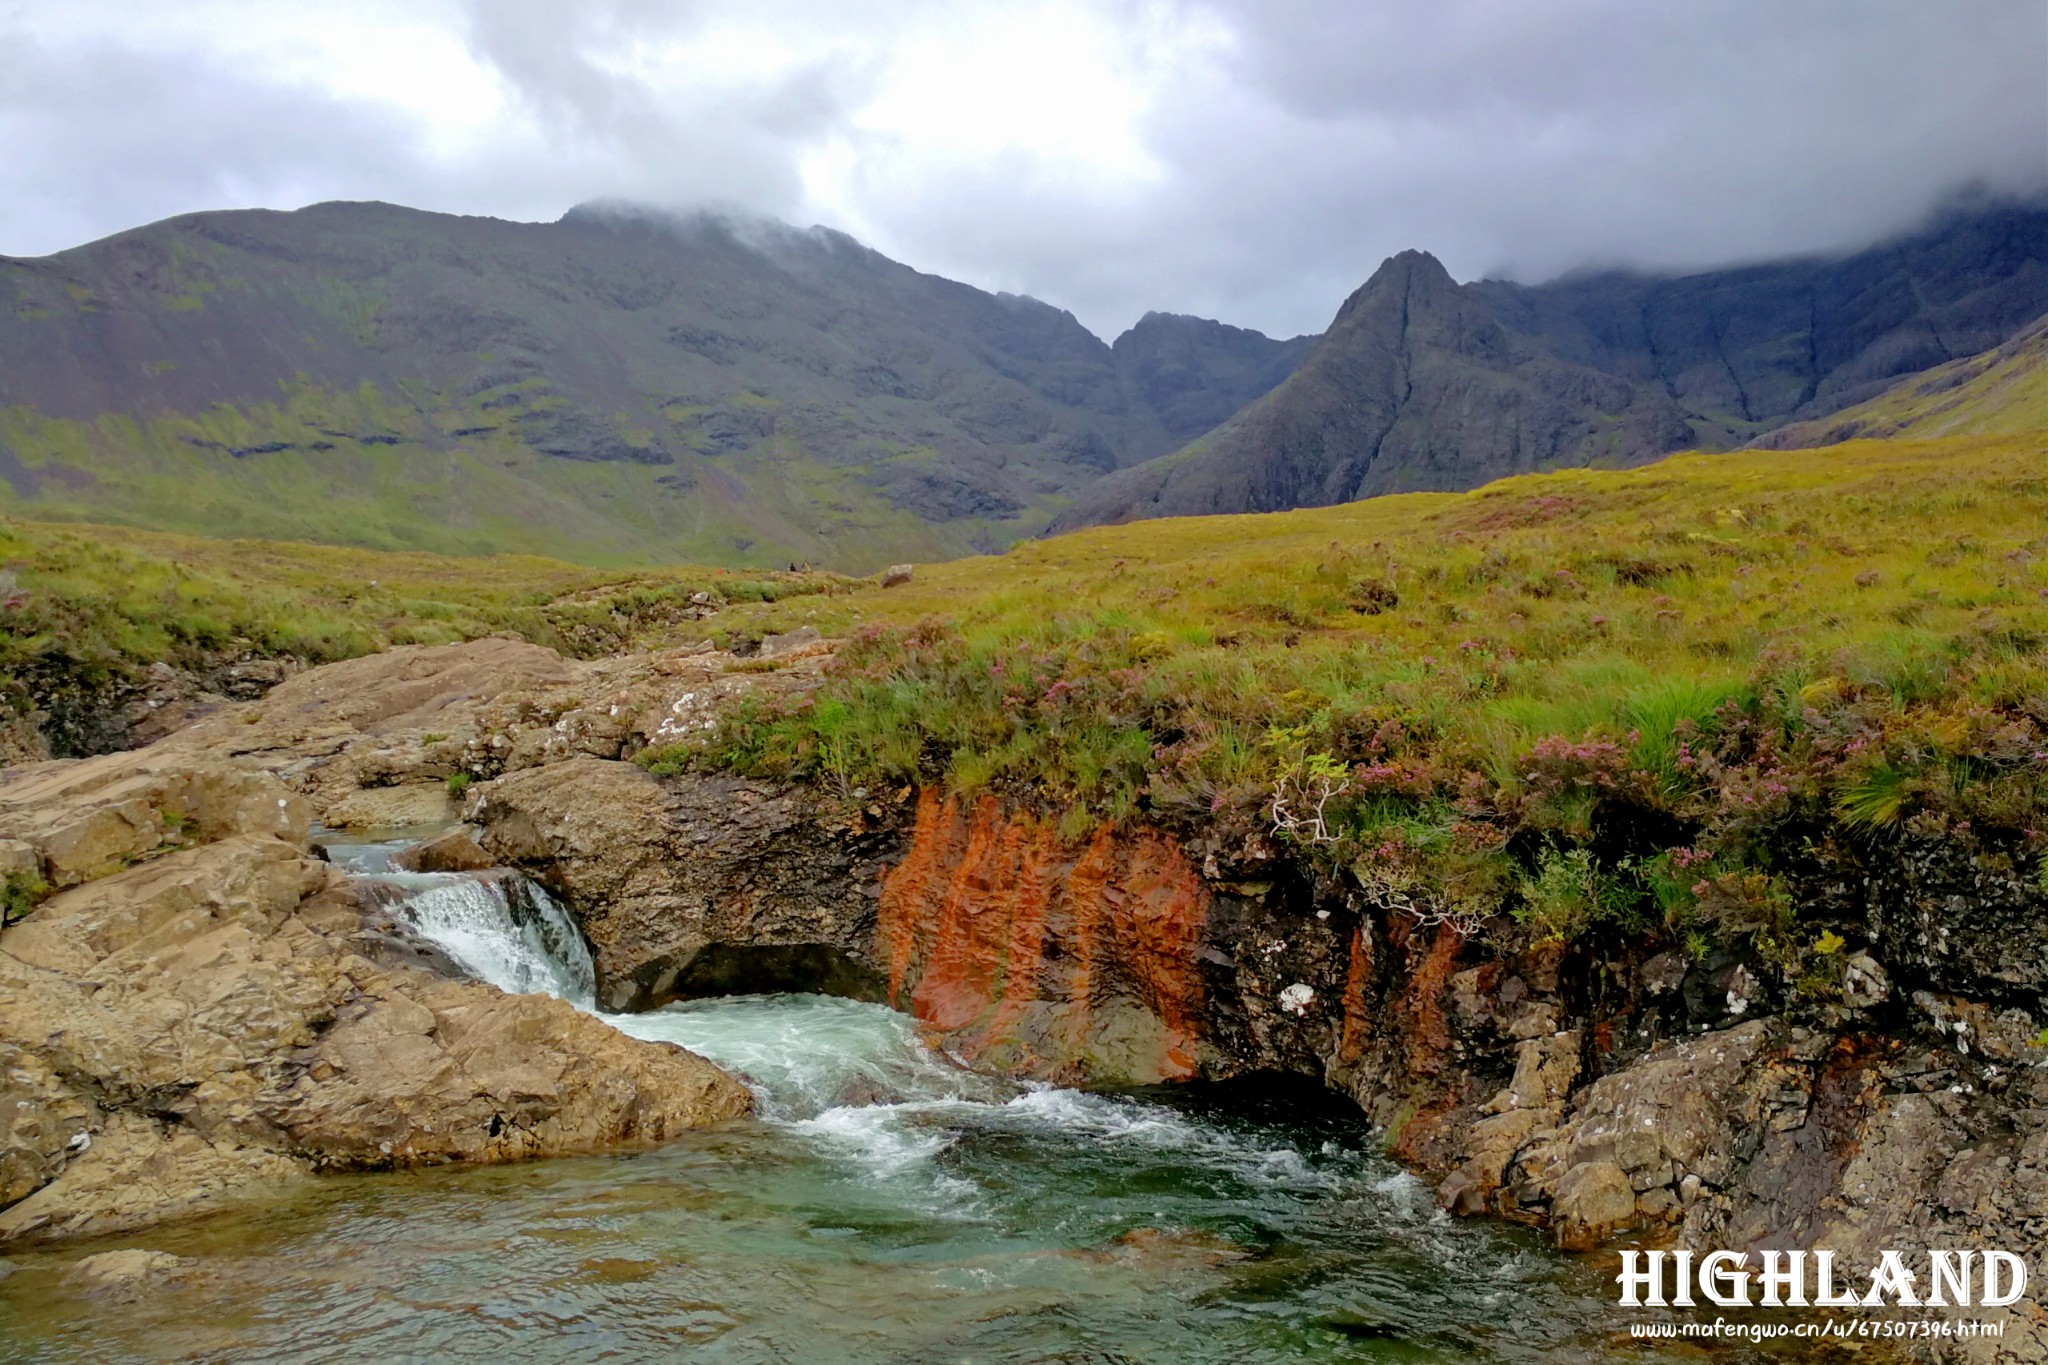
pixel 886 1205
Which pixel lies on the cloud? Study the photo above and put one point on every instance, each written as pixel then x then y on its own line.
pixel 1247 159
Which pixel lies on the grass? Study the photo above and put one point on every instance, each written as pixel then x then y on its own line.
pixel 1671 701
pixel 2002 391
pixel 1534 695
pixel 86 605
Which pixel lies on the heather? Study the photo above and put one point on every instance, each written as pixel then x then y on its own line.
pixel 1693 700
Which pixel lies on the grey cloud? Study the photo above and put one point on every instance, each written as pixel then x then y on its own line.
pixel 101 138
pixel 1528 140
pixel 1507 137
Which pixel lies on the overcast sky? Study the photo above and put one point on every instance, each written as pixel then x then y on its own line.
pixel 1251 160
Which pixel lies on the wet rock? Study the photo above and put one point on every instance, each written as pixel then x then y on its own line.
pixel 1594 1201
pixel 127 1275
pixel 454 851
pixel 200 1027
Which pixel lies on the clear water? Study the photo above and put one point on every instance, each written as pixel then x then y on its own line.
pixel 887 1205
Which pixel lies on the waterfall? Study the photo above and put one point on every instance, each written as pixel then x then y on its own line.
pixel 501 928
pixel 497 926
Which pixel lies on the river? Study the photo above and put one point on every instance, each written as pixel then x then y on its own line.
pixel 886 1205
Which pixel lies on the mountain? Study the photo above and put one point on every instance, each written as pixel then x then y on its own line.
pixel 1194 373
pixel 1423 383
pixel 619 386
pixel 1997 392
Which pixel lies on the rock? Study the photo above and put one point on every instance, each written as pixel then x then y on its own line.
pixel 1864 982
pixel 128 1274
pixel 897 575
pixel 454 851
pixel 205 1026
pixel 778 646
pixel 19 858
pixel 703 884
pixel 392 808
pixel 1594 1202
pixel 695 880
pixel 84 819
pixel 1545 1069
pixel 1493 1145
pixel 373 742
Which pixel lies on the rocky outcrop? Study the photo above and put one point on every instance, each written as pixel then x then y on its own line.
pixel 700 885
pixel 206 1013
pixel 1112 959
pixel 1656 1110
pixel 385 740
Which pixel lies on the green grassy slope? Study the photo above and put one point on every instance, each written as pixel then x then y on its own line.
pixel 1994 393
pixel 1578 697
pixel 614 388
pixel 86 602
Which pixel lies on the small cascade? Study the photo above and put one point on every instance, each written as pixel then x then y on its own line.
pixel 497 926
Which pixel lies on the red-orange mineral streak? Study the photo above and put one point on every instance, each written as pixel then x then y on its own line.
pixel 1428 1028
pixel 904 891
pixel 1024 955
pixel 960 970
pixel 968 919
pixel 1351 1042
pixel 1085 882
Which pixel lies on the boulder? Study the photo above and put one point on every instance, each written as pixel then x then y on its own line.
pixel 751 885
pixel 791 642
pixel 897 575
pixel 454 851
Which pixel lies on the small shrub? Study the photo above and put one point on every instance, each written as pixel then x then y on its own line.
pixel 1372 597
pixel 20 895
pixel 1570 894
pixel 458 783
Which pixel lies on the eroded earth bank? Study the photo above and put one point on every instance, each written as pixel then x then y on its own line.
pixel 205 1008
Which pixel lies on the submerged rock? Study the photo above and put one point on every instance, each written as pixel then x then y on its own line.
pixel 127 1274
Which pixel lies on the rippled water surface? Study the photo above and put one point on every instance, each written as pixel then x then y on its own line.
pixel 885 1206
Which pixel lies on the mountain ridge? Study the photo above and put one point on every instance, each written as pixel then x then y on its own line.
pixel 1610 368
pixel 620 384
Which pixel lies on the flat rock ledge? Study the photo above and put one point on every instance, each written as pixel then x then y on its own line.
pixel 203 1013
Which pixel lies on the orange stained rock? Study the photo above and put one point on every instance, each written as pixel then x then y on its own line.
pixel 990 913
pixel 1085 883
pixel 1356 978
pixel 1425 1023
pixel 1024 956
pixel 960 968
pixel 904 890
